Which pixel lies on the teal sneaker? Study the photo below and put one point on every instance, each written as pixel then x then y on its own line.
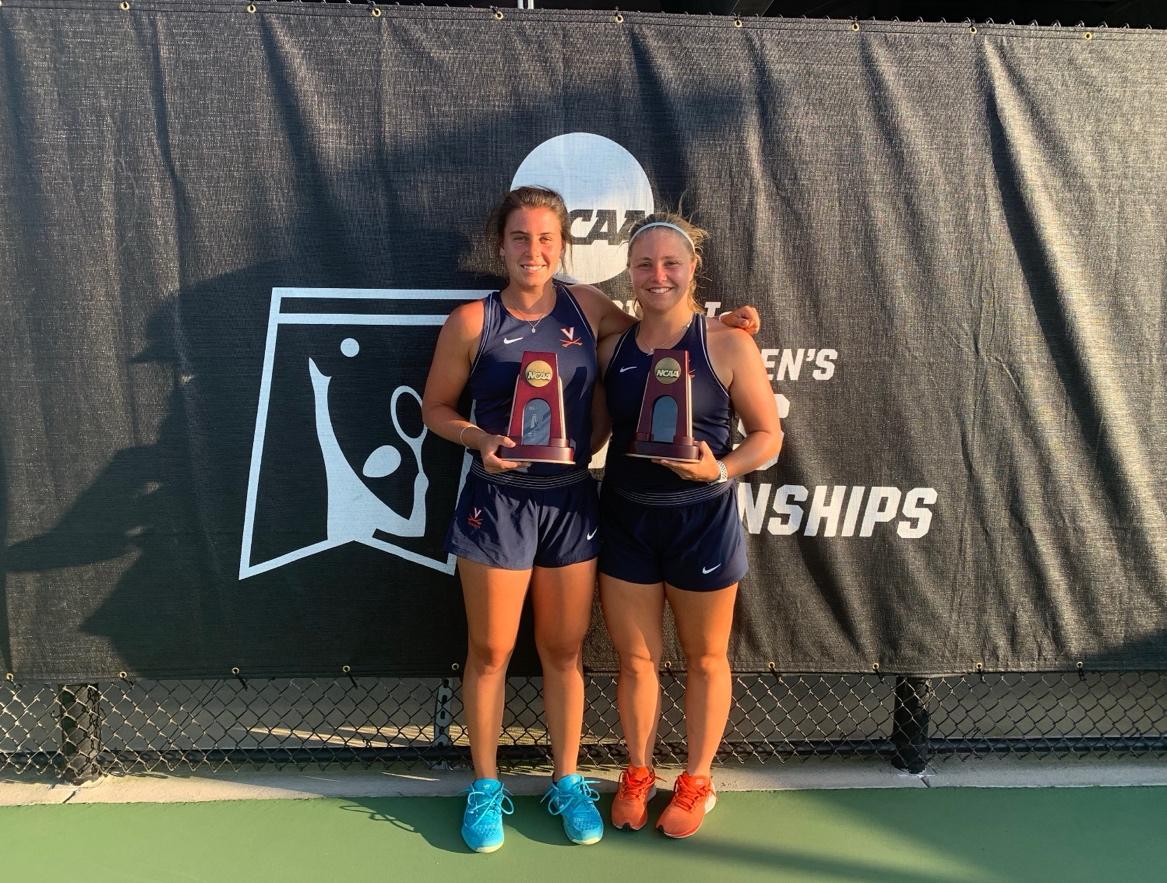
pixel 487 801
pixel 573 799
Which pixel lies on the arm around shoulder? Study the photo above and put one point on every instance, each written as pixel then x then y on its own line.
pixel 603 313
pixel 605 349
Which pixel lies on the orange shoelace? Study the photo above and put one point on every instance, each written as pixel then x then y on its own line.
pixel 687 791
pixel 636 787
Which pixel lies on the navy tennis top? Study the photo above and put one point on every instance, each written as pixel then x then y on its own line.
pixel 564 331
pixel 624 381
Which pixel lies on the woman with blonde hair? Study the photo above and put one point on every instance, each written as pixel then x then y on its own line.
pixel 672 532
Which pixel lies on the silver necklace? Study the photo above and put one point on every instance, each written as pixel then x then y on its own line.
pixel 676 340
pixel 534 326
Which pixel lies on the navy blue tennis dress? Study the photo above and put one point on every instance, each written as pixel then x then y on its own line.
pixel 657 526
pixel 546 514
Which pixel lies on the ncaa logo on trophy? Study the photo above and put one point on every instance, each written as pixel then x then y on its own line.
pixel 340 454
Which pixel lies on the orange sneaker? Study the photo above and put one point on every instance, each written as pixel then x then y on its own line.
pixel 693 796
pixel 630 805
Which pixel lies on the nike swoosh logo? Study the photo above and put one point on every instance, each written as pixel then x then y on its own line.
pixel 711 569
pixel 512 339
pixel 629 368
pixel 593 533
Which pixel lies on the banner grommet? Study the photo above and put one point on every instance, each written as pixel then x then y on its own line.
pixel 124 6
pixel 618 18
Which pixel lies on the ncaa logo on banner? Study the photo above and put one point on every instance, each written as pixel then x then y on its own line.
pixel 606 192
pixel 340 454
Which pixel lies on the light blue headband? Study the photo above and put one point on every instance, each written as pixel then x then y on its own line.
pixel 663 224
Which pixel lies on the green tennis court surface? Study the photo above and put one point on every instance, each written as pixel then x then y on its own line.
pixel 902 835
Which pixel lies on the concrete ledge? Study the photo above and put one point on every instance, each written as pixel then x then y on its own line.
pixel 809 774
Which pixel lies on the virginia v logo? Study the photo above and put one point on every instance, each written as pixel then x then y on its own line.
pixel 340 454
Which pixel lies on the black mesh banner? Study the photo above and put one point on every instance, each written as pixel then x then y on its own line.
pixel 231 233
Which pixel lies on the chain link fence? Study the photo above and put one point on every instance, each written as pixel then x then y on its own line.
pixel 81 731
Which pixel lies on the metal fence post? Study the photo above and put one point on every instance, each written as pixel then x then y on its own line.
pixel 80 720
pixel 443 717
pixel 909 728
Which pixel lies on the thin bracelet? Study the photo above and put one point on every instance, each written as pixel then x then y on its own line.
pixel 463 432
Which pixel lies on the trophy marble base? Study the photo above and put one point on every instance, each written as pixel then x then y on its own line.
pixel 681 451
pixel 539 453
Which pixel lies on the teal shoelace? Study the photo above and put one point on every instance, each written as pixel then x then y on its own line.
pixel 582 792
pixel 482 804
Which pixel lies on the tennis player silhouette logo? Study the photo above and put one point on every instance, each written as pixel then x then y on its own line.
pixel 340 454
pixel 354 511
